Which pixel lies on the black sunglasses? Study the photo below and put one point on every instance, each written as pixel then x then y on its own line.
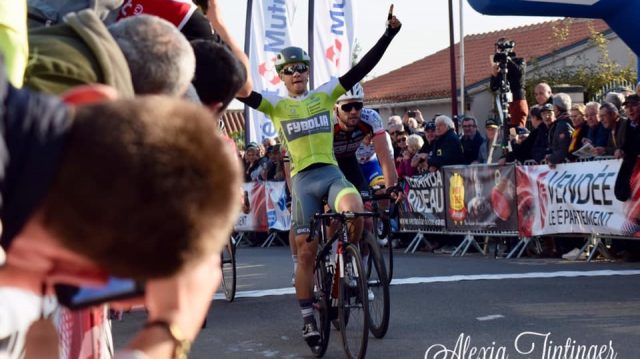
pixel 347 107
pixel 299 68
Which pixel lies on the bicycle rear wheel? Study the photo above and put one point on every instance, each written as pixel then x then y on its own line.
pixel 321 303
pixel 228 263
pixel 353 306
pixel 379 305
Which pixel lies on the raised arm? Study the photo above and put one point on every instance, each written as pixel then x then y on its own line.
pixel 215 17
pixel 373 56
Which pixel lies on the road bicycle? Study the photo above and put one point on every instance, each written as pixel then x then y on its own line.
pixel 340 285
pixel 228 264
pixel 382 224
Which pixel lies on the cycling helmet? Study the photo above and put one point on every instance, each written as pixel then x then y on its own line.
pixel 290 55
pixel 355 93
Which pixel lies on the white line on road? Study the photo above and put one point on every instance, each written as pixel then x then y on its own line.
pixel 455 278
pixel 490 317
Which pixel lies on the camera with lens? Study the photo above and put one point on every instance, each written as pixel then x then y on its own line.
pixel 504 52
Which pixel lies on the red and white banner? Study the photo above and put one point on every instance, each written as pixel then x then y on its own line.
pixel 268 209
pixel 270 32
pixel 333 39
pixel 572 198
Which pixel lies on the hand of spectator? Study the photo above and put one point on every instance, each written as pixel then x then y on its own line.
pixel 502 161
pixel 184 299
pixel 406 155
pixel 618 153
pixel 598 151
pixel 495 68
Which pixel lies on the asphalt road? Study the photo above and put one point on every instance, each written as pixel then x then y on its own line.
pixel 504 308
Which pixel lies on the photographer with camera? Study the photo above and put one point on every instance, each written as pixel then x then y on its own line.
pixel 508 80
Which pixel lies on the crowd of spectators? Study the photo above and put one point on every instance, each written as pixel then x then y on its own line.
pixel 112 165
pixel 555 129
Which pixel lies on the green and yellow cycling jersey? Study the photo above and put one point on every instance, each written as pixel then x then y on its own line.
pixel 305 124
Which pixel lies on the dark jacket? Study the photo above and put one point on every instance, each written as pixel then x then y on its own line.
pixel 471 147
pixel 599 136
pixel 540 143
pixel 33 129
pixel 560 134
pixel 447 150
pixel 631 148
pixel 78 51
pixel 617 136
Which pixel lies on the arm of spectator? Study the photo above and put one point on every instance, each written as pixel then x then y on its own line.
pixel 182 300
pixel 385 158
pixel 418 158
pixel 215 17
pixel 373 56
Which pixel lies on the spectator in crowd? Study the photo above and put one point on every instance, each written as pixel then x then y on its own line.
pixel 471 140
pixel 560 131
pixel 273 169
pixel 579 127
pixel 596 134
pixel 55 227
pixel 219 75
pixel 630 149
pixel 616 124
pixel 523 147
pixel 394 120
pixel 127 56
pixel 394 129
pixel 542 93
pixel 408 166
pixel 251 162
pixel 400 146
pixel 616 99
pixel 447 149
pixel 184 15
pixel 427 147
pixel 416 115
pixel 515 74
pixel 491 150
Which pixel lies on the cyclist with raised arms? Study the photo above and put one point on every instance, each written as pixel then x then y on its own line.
pixel 304 120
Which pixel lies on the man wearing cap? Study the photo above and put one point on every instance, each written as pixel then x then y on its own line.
pixel 560 131
pixel 471 140
pixel 447 149
pixel 493 141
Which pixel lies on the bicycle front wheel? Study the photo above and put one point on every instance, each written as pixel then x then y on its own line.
pixel 321 303
pixel 378 289
pixel 228 263
pixel 353 304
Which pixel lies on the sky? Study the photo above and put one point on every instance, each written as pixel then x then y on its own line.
pixel 425 26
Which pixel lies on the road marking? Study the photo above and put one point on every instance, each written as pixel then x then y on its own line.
pixel 454 278
pixel 490 317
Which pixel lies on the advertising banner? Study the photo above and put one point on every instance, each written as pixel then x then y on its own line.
pixel 424 206
pixel 268 208
pixel 270 32
pixel 573 198
pixel 480 198
pixel 333 39
pixel 278 216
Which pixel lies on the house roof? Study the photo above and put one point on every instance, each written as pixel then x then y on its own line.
pixel 429 77
pixel 233 121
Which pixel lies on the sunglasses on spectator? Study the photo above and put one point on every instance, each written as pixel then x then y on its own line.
pixel 403 139
pixel 468 126
pixel 347 107
pixel 299 68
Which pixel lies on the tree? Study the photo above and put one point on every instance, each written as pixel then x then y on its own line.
pixel 593 77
